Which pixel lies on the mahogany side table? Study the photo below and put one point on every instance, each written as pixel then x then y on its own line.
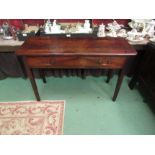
pixel 80 53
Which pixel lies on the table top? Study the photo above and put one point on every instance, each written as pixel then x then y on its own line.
pixel 46 45
pixel 13 45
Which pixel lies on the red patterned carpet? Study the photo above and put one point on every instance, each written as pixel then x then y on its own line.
pixel 32 118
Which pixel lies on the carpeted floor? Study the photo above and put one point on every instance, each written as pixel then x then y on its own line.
pixel 89 108
pixel 31 118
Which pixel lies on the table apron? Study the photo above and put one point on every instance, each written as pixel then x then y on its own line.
pixel 113 62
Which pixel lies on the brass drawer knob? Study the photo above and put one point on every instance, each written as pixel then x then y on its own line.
pixel 104 61
pixel 100 61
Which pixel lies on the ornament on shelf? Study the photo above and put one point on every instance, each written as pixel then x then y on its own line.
pixel 122 33
pixel 86 27
pixel 101 30
pixel 87 24
pixel 48 26
pixel 113 28
pixel 144 27
pixel 7 33
pixel 51 28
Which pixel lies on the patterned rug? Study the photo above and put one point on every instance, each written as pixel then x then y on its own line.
pixel 32 118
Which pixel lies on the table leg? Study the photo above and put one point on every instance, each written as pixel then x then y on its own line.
pixel 42 75
pixel 32 80
pixel 133 82
pixel 119 82
pixel 34 86
pixel 110 73
pixel 83 74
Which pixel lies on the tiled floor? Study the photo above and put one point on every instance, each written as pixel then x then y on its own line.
pixel 89 108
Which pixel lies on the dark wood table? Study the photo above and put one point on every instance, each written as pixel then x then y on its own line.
pixel 80 53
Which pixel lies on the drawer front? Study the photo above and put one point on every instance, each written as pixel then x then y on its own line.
pixel 76 61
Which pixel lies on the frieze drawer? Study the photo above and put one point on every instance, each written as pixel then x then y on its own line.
pixel 76 61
